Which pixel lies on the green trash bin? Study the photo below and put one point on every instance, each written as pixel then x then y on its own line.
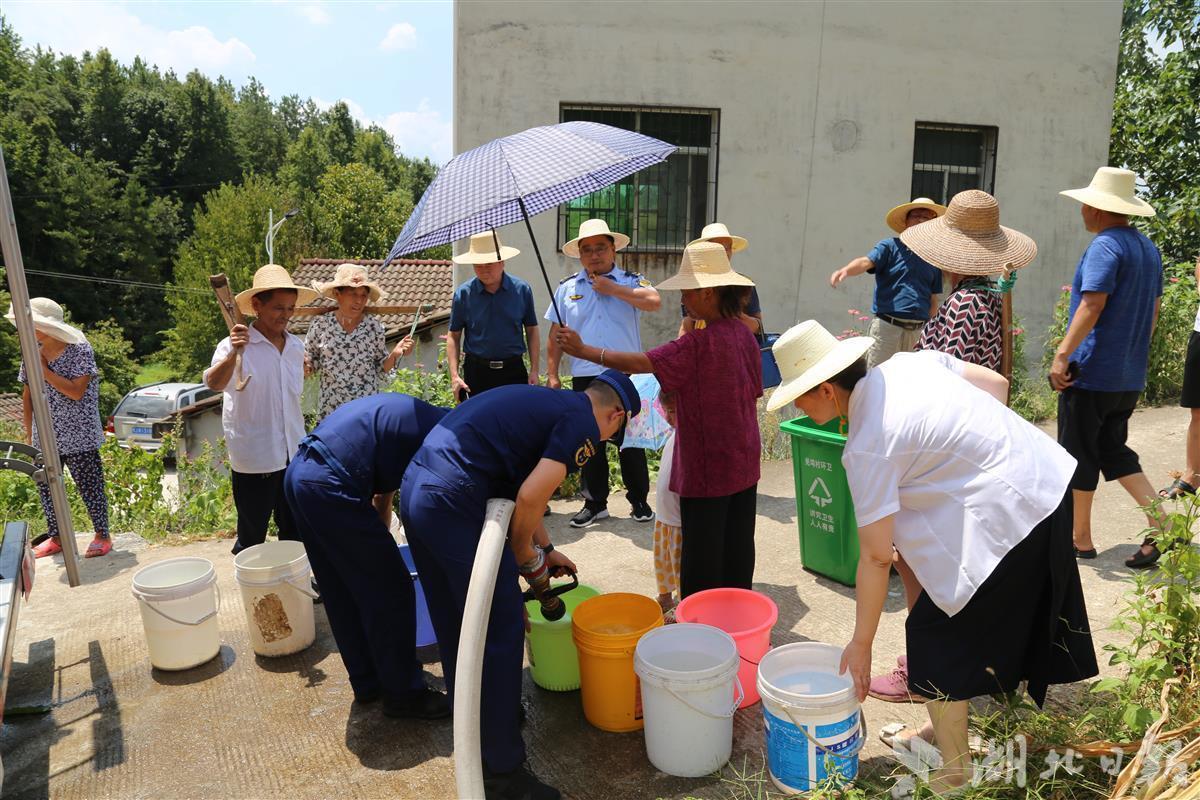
pixel 824 510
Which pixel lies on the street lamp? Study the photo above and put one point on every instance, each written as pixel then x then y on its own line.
pixel 273 227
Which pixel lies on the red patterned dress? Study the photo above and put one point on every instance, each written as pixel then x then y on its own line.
pixel 968 324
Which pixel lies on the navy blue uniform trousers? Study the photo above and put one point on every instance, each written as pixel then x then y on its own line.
pixel 365 585
pixel 443 519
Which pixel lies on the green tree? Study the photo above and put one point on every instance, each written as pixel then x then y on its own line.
pixel 306 162
pixel 207 155
pixel 355 215
pixel 340 130
pixel 258 131
pixel 104 124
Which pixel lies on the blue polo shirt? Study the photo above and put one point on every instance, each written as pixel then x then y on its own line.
pixel 494 322
pixel 375 437
pixel 601 320
pixel 494 440
pixel 1125 265
pixel 905 283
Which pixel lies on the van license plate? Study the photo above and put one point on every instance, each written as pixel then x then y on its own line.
pixel 141 430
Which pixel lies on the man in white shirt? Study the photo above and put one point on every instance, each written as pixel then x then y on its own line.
pixel 262 421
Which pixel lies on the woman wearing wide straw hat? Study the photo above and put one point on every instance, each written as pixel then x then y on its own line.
pixel 752 316
pixel 72 386
pixel 976 501
pixel 715 374
pixel 346 346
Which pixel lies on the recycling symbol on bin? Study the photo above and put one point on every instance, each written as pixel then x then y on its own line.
pixel 818 492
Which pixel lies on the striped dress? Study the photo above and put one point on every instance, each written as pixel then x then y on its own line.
pixel 968 324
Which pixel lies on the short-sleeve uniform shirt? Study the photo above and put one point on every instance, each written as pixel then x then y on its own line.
pixel 905 283
pixel 493 441
pixel 601 320
pixel 493 323
pixel 76 422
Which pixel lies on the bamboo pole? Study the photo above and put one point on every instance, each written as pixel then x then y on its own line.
pixel 15 269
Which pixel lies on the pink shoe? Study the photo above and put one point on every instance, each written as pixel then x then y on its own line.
pixel 893 687
pixel 47 548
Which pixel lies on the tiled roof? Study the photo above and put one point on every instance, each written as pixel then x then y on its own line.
pixel 408 282
pixel 11 408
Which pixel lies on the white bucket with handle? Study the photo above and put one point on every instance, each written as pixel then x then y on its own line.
pixel 179 600
pixel 690 692
pixel 276 592
pixel 812 719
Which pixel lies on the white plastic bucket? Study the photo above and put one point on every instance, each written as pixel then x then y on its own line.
pixel 179 600
pixel 690 692
pixel 276 594
pixel 812 719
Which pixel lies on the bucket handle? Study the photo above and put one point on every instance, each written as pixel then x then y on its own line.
pixel 169 618
pixel 862 741
pixel 304 590
pixel 740 696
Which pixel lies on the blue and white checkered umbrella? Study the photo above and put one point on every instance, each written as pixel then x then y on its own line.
pixel 517 176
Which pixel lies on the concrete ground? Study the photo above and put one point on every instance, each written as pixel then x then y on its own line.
pixel 248 727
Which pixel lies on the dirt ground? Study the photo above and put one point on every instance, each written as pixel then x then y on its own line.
pixel 243 726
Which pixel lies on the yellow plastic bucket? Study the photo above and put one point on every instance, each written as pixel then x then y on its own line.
pixel 606 630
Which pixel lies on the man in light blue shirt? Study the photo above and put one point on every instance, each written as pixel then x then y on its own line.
pixel 604 304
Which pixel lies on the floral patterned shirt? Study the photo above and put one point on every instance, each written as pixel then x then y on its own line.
pixel 350 363
pixel 76 422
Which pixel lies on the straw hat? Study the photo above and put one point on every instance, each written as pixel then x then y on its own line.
pixel 594 227
pixel 807 355
pixel 969 239
pixel 717 230
pixel 48 318
pixel 1114 190
pixel 272 276
pixel 895 218
pixel 350 276
pixel 704 265
pixel 482 250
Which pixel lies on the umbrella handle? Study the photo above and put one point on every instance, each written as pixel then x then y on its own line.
pixel 538 253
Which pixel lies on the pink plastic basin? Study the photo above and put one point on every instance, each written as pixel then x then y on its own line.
pixel 746 616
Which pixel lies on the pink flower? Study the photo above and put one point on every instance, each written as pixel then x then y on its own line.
pixel 853 311
pixel 863 318
pixel 445 336
pixel 1066 288
pixel 1174 280
pixel 1018 331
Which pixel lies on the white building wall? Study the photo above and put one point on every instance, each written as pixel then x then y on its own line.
pixel 790 79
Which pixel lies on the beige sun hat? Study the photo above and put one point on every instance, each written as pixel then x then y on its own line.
pixel 704 265
pixel 268 277
pixel 895 217
pixel 483 250
pixel 807 354
pixel 717 230
pixel 48 318
pixel 1113 189
pixel 969 239
pixel 350 276
pixel 594 227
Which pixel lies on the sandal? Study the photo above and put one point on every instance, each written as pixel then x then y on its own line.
pixel 1140 560
pixel 47 548
pixel 1177 489
pixel 98 547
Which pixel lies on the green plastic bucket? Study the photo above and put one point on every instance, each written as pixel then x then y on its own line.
pixel 824 509
pixel 553 660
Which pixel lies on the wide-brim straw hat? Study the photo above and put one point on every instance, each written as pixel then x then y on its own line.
pixel 1112 189
pixel 704 265
pixel 48 318
pixel 969 239
pixel 350 276
pixel 268 277
pixel 717 230
pixel 485 248
pixel 808 355
pixel 594 227
pixel 895 218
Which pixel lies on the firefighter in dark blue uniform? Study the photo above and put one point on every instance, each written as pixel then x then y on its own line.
pixel 516 442
pixel 358 451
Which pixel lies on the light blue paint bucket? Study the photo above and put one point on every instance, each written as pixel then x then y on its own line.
pixel 812 719
pixel 425 634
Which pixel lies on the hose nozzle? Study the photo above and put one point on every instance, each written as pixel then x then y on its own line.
pixel 537 575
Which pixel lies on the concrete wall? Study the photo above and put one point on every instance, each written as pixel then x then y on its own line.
pixel 786 76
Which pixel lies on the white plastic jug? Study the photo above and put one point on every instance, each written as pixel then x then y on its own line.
pixel 274 579
pixel 179 600
pixel 690 692
pixel 813 723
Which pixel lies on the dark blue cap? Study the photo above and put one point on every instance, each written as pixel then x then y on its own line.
pixel 624 388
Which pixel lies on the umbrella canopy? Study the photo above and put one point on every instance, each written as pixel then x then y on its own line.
pixel 521 175
pixel 648 430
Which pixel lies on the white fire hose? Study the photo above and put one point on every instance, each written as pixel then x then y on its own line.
pixel 468 763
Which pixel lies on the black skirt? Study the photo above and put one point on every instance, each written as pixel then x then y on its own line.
pixel 1026 622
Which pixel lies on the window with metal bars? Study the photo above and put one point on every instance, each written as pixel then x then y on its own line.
pixel 663 207
pixel 948 159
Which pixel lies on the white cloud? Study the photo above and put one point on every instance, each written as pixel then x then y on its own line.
pixel 401 36
pixel 314 13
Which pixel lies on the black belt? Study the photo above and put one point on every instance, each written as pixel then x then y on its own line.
pixel 907 324
pixel 496 363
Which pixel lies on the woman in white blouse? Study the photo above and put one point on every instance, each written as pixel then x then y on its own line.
pixel 976 501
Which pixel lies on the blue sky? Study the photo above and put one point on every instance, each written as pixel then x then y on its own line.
pixel 391 62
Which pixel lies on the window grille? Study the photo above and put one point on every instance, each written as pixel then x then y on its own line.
pixel 948 159
pixel 663 207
